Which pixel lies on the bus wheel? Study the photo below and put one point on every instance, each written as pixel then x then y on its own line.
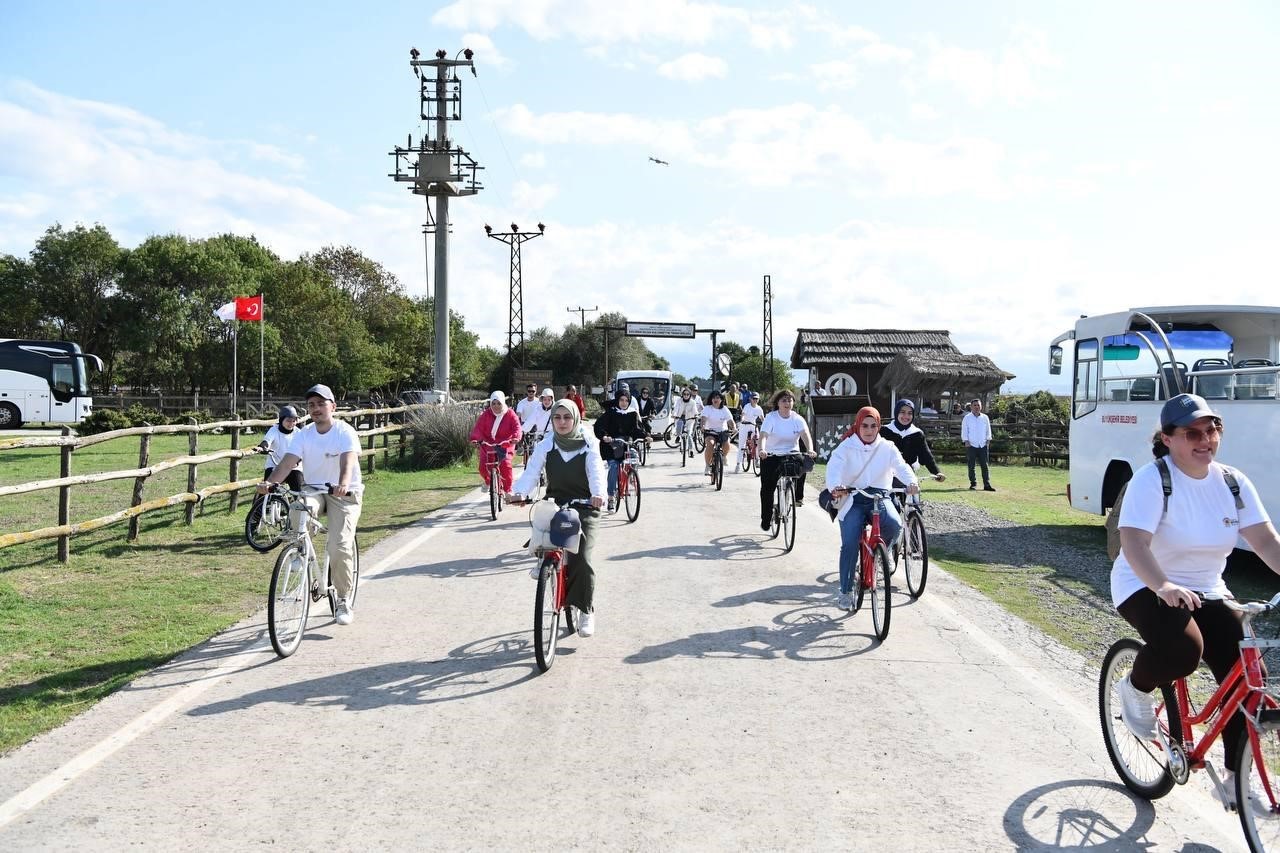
pixel 10 417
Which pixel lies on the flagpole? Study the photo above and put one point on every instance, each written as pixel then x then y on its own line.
pixel 262 353
pixel 235 372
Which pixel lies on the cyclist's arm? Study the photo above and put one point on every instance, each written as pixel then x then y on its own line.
pixel 597 475
pixel 348 461
pixel 1264 541
pixel 279 473
pixel 1136 544
pixel 528 480
pixel 900 467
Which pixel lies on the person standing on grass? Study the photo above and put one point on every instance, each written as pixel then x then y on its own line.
pixel 975 432
pixel 329 452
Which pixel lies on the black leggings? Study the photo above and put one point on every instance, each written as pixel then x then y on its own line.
pixel 770 472
pixel 1176 641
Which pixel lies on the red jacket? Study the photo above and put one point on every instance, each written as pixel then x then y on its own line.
pixel 508 430
pixel 582 406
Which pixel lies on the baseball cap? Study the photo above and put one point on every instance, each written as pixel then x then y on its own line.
pixel 547 392
pixel 1184 410
pixel 498 395
pixel 321 391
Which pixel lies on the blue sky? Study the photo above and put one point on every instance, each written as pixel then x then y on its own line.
pixel 991 168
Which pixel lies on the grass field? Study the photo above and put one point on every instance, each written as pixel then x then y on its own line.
pixel 70 634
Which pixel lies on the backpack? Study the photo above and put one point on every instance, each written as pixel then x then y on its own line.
pixel 1166 484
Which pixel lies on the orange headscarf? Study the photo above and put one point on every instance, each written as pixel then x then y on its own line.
pixel 862 414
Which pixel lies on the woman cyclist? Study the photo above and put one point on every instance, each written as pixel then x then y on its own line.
pixel 717 423
pixel 497 424
pixel 752 416
pixel 574 472
pixel 781 435
pixel 538 421
pixel 864 461
pixel 685 412
pixel 621 421
pixel 909 439
pixel 1171 553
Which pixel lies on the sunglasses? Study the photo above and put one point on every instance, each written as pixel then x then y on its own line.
pixel 1194 435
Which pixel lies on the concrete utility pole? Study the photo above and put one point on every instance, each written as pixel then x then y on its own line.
pixel 582 312
pixel 766 351
pixel 437 168
pixel 515 306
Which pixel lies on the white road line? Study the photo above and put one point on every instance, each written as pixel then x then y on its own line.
pixel 73 769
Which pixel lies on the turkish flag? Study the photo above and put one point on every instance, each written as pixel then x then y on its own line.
pixel 249 308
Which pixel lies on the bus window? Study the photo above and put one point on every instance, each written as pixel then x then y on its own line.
pixel 1085 395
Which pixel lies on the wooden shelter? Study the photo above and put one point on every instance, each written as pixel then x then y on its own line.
pixel 858 367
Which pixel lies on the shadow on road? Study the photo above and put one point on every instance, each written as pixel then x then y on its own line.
pixel 506 563
pixel 733 547
pixel 1083 814
pixel 485 666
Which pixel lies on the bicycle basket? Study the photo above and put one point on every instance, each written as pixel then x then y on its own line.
pixel 790 468
pixel 1258 675
pixel 547 528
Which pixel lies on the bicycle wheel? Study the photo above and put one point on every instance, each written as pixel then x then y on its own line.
pixel 915 554
pixel 266 523
pixel 670 437
pixel 1257 761
pixel 755 464
pixel 881 595
pixel 776 526
pixel 546 616
pixel 717 468
pixel 632 497
pixel 644 453
pixel 699 440
pixel 1141 763
pixel 493 496
pixel 858 590
pixel 789 521
pixel 289 601
pixel 684 457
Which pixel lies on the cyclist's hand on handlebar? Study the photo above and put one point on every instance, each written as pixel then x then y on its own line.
pixel 913 490
pixel 1178 596
pixel 264 487
pixel 939 476
pixel 597 501
pixel 339 491
pixel 516 500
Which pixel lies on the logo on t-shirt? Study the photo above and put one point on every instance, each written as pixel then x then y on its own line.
pixel 1229 522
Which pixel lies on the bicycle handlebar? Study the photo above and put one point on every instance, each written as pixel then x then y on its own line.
pixel 1250 608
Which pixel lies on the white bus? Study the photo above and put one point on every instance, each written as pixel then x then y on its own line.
pixel 659 384
pixel 1128 363
pixel 43 382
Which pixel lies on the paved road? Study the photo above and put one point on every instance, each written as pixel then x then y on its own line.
pixel 724 704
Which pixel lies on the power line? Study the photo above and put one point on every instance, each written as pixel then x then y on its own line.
pixel 582 312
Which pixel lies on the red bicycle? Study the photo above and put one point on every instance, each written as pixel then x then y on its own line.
pixel 749 453
pixel 549 603
pixel 495 454
pixel 629 478
pixel 1150 768
pixel 874 564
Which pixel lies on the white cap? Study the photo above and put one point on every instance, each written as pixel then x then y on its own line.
pixel 498 395
pixel 547 392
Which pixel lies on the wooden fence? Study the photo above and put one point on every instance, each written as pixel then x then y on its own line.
pixel 370 425
pixel 1038 443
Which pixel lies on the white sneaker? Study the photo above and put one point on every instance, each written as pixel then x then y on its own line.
pixel 586 623
pixel 1137 710
pixel 844 601
pixel 343 614
pixel 536 571
pixel 706 470
pixel 1258 800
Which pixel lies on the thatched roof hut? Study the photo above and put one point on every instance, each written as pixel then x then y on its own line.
pixel 929 374
pixel 820 348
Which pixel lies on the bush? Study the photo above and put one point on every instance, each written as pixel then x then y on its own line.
pixel 140 415
pixel 439 435
pixel 103 420
pixel 200 416
pixel 593 407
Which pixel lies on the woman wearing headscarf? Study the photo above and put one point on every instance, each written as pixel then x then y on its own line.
pixel 867 461
pixel 909 438
pixel 574 472
pixel 497 424
pixel 620 421
pixel 276 444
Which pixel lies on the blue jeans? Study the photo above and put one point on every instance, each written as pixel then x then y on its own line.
pixel 614 466
pixel 858 517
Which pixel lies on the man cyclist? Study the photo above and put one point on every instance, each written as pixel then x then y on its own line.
pixel 752 416
pixel 529 403
pixel 330 455
pixel 733 401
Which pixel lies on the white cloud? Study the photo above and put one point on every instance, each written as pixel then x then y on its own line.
pixel 834 75
pixel 533 160
pixel 880 53
pixel 693 67
pixel 528 197
pixel 1009 77
pixel 486 52
pixel 923 112
pixel 635 21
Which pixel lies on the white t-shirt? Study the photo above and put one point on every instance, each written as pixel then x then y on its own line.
pixel 279 442
pixel 717 419
pixel 782 435
pixel 1192 540
pixel 320 454
pixel 749 414
pixel 526 407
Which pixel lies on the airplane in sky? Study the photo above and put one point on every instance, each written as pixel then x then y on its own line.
pixel 659 162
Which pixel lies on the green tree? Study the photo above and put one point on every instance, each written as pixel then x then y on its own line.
pixel 20 313
pixel 76 273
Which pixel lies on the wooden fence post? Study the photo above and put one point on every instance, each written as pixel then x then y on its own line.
pixel 64 500
pixel 144 459
pixel 373 420
pixel 235 465
pixel 193 447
